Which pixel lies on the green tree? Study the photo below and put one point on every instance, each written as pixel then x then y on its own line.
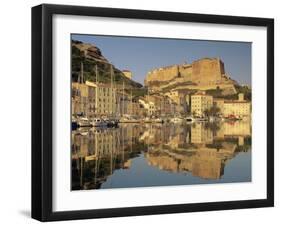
pixel 214 111
pixel 194 113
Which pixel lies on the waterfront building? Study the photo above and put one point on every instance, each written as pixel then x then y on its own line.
pixel 148 107
pixel 158 105
pixel 200 102
pixel 239 108
pixel 105 102
pixel 83 99
pixel 152 108
pixel 168 107
pixel 90 99
pixel 135 108
pixel 181 98
pixel 122 100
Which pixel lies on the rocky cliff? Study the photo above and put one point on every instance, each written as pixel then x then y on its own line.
pixel 90 56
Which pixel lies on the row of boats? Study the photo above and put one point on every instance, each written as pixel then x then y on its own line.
pixel 113 122
pixel 105 122
pixel 95 122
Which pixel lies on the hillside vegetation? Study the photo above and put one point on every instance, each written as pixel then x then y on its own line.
pixel 218 93
pixel 90 56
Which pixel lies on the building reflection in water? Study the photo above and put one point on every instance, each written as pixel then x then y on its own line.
pixel 198 150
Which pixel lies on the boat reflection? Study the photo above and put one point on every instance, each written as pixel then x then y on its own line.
pixel 198 150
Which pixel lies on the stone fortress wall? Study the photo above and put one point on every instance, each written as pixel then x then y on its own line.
pixel 166 73
pixel 203 72
pixel 207 70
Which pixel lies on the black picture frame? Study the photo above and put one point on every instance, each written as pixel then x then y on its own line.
pixel 42 111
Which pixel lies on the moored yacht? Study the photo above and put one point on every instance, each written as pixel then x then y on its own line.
pixel 83 122
pixel 97 122
pixel 111 122
pixel 177 120
pixel 126 119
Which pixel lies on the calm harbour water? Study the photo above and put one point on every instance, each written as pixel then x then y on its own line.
pixel 143 155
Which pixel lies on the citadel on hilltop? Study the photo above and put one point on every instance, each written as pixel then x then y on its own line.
pixel 203 74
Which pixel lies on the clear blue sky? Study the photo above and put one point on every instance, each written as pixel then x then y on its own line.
pixel 140 55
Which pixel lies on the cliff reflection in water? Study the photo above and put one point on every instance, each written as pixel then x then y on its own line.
pixel 135 155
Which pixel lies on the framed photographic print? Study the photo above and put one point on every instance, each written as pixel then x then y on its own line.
pixel 146 112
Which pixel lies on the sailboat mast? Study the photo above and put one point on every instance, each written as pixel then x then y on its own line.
pixel 82 107
pixel 111 75
pixel 123 101
pixel 96 99
pixel 148 101
pixel 82 72
pixel 131 103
